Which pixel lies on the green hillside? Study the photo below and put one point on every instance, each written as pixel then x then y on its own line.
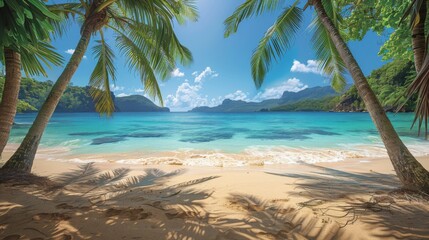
pixel 389 84
pixel 33 93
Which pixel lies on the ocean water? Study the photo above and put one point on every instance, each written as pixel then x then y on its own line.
pixel 219 138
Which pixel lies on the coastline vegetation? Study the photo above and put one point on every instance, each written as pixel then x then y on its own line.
pixel 144 34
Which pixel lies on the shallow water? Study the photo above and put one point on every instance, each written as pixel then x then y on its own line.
pixel 273 137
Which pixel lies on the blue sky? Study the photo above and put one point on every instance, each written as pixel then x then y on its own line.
pixel 221 67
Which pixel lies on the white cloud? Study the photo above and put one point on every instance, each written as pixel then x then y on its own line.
pixel 188 93
pixel 312 66
pixel 208 72
pixel 290 85
pixel 122 95
pixel 71 51
pixel 187 96
pixel 177 73
pixel 237 95
pixel 139 90
pixel 116 88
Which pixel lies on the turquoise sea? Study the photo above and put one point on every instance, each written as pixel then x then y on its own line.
pixel 285 137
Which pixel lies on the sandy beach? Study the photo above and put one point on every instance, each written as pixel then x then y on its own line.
pixel 352 199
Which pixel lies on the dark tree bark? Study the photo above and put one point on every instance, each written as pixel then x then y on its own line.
pixel 419 38
pixel 9 101
pixel 410 172
pixel 22 159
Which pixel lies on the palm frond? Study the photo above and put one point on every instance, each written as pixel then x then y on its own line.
pixel 330 61
pixel 275 42
pixel 155 37
pixel 158 10
pixel 137 60
pixel 420 86
pixel 181 52
pixel 25 27
pixel 32 57
pixel 102 75
pixel 247 10
pixel 150 53
pixel 413 12
pixel 156 47
pixel 67 13
pixel 185 10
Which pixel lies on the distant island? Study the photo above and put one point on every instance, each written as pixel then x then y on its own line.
pixel 389 83
pixel 75 99
pixel 305 100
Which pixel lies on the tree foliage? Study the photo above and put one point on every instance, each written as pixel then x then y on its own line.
pixel 142 31
pixel 277 38
pixel 382 17
pixel 32 95
pixel 25 27
pixel 390 82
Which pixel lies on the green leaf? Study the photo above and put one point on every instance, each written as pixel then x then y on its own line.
pixel 103 73
pixel 42 8
pixel 330 61
pixel 275 42
pixel 247 10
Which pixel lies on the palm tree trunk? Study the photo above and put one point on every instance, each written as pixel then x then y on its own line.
pixel 22 159
pixel 9 99
pixel 411 173
pixel 419 39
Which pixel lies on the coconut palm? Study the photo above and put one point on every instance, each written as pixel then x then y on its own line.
pixel 23 28
pixel 277 39
pixel 417 12
pixel 143 33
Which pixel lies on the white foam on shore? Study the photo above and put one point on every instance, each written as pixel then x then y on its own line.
pixel 251 156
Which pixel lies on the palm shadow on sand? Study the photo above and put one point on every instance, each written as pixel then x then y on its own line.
pixel 88 203
pixel 372 198
pixel 106 200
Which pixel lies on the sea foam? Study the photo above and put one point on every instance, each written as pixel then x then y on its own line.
pixel 251 156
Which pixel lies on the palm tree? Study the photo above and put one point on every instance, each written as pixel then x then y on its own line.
pixel 23 27
pixel 417 12
pixel 276 40
pixel 143 33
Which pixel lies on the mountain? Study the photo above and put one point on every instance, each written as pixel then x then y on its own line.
pixel 229 105
pixel 32 95
pixel 389 84
pixel 308 93
pixel 280 104
pixel 137 103
pixel 324 104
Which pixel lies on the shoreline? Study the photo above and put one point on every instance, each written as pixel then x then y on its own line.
pixel 252 156
pixel 349 199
